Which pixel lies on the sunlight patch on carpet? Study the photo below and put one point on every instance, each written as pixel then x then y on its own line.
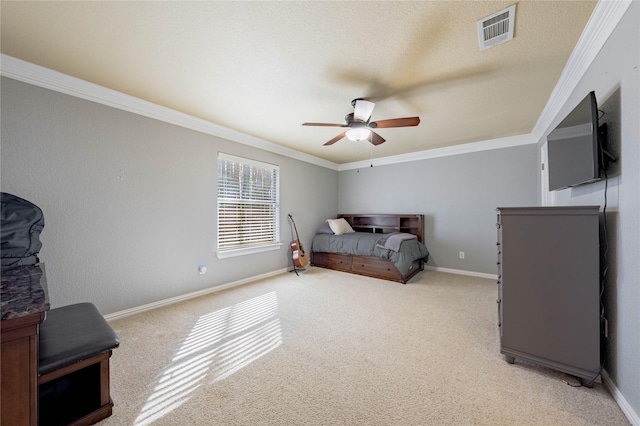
pixel 218 345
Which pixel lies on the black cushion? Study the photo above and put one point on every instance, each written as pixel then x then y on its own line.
pixel 73 333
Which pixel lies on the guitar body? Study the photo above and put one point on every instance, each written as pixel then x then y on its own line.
pixel 298 254
pixel 300 259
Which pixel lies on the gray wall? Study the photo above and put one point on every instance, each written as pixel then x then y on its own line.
pixel 457 195
pixel 130 202
pixel 615 77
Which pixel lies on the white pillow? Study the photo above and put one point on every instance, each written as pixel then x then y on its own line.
pixel 340 226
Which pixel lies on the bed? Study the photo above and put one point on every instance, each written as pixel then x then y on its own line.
pixel 386 246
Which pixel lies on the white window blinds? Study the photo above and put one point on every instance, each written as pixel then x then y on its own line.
pixel 248 203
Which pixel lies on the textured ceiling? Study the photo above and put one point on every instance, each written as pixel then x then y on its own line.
pixel 264 68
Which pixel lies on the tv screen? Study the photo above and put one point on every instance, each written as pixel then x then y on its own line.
pixel 573 147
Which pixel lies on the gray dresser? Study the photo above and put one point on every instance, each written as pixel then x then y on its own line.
pixel 549 290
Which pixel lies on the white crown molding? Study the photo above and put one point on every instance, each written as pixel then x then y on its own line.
pixel 444 152
pixel 18 69
pixel 604 19
pixel 27 72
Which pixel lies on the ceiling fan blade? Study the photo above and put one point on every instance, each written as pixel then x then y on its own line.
pixel 336 139
pixel 395 122
pixel 362 110
pixel 325 124
pixel 375 138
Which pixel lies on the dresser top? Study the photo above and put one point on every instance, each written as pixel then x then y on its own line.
pixel 549 210
pixel 23 291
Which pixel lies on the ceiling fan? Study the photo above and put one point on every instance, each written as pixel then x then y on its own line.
pixel 360 126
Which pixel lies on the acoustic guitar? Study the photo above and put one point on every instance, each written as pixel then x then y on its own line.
pixel 297 252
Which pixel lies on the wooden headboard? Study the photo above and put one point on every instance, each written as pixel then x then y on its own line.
pixel 386 223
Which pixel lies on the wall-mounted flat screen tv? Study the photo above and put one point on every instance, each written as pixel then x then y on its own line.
pixel 573 147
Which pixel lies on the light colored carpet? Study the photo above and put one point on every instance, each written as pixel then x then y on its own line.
pixel 330 348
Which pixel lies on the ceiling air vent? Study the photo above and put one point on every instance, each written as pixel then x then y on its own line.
pixel 497 28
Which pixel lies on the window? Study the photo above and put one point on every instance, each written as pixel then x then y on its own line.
pixel 248 206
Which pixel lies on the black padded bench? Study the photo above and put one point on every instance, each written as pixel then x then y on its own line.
pixel 74 351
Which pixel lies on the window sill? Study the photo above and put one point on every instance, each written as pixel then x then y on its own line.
pixel 249 250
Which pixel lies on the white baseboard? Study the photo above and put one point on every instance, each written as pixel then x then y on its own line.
pixel 171 300
pixel 461 272
pixel 626 408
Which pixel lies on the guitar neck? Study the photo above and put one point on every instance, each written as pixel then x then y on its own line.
pixel 296 230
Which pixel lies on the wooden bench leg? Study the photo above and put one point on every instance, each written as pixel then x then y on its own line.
pixel 105 396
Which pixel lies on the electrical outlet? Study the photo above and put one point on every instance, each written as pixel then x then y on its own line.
pixel 461 255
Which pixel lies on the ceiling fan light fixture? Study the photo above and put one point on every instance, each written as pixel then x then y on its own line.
pixel 358 134
pixel 360 126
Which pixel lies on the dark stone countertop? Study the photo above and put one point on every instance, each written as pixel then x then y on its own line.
pixel 23 291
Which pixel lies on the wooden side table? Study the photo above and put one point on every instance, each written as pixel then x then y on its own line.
pixel 24 304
